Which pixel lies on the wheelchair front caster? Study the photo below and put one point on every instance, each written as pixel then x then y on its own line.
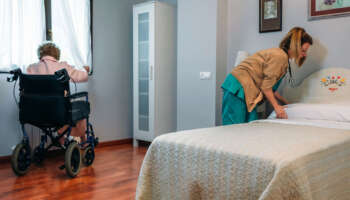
pixel 96 142
pixel 38 155
pixel 72 159
pixel 88 156
pixel 20 159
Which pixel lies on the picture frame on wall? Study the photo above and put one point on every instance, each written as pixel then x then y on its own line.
pixel 320 9
pixel 270 15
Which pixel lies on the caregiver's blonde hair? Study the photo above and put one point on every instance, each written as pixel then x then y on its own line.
pixel 293 41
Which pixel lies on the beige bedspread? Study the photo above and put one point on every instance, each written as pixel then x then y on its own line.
pixel 260 160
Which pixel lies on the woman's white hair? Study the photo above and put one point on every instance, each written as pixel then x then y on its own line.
pixel 46 48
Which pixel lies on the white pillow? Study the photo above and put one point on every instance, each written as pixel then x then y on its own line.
pixel 330 112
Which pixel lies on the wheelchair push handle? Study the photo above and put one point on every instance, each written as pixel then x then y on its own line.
pixel 15 74
pixel 62 75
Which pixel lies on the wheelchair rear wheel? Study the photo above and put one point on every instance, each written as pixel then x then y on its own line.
pixel 88 156
pixel 20 159
pixel 72 159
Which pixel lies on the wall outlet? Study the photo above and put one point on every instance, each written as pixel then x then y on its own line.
pixel 204 75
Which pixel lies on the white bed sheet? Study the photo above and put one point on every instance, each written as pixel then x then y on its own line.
pixel 339 112
pixel 316 123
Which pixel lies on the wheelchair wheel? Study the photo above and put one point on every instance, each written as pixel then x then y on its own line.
pixel 38 155
pixel 20 159
pixel 88 156
pixel 95 139
pixel 72 160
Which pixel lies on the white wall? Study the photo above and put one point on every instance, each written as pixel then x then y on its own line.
pixel 331 36
pixel 196 52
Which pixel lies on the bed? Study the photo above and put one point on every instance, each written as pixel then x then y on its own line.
pixel 304 157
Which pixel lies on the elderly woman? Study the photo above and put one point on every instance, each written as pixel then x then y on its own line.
pixel 49 56
pixel 259 76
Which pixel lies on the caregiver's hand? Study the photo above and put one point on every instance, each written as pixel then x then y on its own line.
pixel 280 112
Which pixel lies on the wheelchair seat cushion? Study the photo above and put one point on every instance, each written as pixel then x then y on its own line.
pixel 43 111
pixel 80 110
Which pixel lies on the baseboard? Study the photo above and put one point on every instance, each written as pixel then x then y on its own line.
pixel 114 142
pixel 6 159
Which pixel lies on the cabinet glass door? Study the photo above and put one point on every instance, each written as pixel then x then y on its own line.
pixel 143 71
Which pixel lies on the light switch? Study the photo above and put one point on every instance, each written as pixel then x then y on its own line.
pixel 204 75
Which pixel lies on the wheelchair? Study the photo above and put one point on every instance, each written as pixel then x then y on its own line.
pixel 46 102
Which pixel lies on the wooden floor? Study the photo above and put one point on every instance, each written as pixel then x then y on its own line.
pixel 113 175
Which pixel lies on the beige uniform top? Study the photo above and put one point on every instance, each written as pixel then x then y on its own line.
pixel 260 71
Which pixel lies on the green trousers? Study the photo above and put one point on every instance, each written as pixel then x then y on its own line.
pixel 234 108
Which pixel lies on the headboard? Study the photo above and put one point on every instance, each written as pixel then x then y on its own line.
pixel 331 85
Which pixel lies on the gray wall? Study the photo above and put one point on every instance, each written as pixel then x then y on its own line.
pixel 110 87
pixel 331 36
pixel 196 52
pixel 202 47
pixel 174 2
pixel 221 55
pixel 10 131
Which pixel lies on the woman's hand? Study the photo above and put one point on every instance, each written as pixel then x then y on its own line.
pixel 280 112
pixel 87 68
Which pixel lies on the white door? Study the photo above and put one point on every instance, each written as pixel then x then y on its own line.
pixel 143 25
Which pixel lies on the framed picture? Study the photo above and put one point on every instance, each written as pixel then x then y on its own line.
pixel 328 8
pixel 270 15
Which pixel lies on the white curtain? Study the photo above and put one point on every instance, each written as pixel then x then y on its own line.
pixel 22 30
pixel 71 30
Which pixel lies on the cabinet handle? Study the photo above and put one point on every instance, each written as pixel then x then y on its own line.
pixel 151 72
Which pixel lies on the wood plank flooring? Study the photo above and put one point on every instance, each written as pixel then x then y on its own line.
pixel 113 175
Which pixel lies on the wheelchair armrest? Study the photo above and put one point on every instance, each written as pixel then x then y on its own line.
pixel 78 95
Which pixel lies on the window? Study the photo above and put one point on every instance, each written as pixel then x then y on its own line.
pixel 71 30
pixel 26 23
pixel 22 30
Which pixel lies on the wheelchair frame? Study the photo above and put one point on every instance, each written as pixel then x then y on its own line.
pixel 22 155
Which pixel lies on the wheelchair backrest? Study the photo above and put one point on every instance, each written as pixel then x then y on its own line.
pixel 42 85
pixel 42 100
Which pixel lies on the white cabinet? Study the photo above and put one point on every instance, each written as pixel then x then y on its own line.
pixel 154 70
